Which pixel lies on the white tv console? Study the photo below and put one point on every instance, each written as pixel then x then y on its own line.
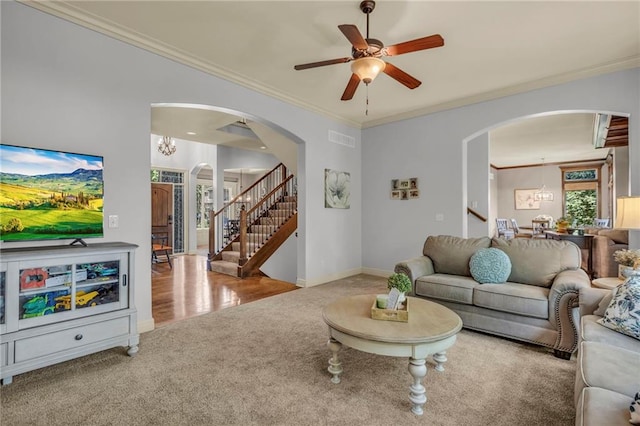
pixel 62 302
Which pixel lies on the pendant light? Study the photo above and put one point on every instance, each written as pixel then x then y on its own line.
pixel 542 194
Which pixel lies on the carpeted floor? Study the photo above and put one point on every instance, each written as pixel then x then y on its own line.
pixel 265 363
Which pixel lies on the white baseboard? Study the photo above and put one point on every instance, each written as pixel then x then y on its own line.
pixel 377 272
pixel 146 325
pixel 328 278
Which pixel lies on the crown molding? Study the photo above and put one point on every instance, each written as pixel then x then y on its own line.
pixel 624 64
pixel 68 12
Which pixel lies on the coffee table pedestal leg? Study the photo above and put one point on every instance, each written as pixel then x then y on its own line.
pixel 417 394
pixel 335 367
pixel 440 358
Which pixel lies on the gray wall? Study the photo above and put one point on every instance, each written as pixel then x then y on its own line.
pixel 478 185
pixel 529 178
pixel 433 147
pixel 66 87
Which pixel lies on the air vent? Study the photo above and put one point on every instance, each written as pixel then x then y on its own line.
pixel 341 139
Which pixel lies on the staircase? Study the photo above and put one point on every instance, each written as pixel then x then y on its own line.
pixel 266 214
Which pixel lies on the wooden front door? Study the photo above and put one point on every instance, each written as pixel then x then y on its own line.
pixel 162 211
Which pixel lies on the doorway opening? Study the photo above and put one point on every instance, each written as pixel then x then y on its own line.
pixel 167 207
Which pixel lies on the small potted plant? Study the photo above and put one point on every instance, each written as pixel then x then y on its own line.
pixel 401 282
pixel 562 223
pixel 628 261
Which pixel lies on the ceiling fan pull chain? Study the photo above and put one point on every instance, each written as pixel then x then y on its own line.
pixel 366 111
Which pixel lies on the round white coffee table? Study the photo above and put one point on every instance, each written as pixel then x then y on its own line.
pixel 608 283
pixel 431 330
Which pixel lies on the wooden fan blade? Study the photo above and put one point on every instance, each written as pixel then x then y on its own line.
pixel 423 43
pixel 322 63
pixel 351 88
pixel 352 33
pixel 401 76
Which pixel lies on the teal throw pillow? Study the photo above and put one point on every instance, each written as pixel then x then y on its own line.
pixel 490 265
pixel 623 313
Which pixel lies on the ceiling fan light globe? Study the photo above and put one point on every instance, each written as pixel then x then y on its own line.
pixel 367 69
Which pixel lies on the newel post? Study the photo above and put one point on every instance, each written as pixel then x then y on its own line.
pixel 212 233
pixel 243 236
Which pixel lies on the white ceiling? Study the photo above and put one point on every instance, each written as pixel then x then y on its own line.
pixel 549 139
pixel 492 49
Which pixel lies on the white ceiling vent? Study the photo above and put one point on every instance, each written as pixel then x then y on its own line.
pixel 341 139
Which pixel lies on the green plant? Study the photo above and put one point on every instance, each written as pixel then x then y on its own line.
pixel 581 206
pixel 400 281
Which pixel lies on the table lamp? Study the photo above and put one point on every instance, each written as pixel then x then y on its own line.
pixel 628 217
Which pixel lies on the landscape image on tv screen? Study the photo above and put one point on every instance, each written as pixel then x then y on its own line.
pixel 47 194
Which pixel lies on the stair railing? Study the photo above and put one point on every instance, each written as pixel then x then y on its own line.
pixel 264 218
pixel 224 225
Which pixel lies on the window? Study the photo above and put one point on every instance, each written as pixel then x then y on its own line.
pixel 204 202
pixel 581 193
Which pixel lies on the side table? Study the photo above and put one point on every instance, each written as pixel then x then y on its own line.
pixel 607 283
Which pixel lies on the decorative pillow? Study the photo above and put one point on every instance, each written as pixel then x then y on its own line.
pixel 490 265
pixel 634 410
pixel 623 313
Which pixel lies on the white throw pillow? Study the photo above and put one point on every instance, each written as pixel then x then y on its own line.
pixel 623 313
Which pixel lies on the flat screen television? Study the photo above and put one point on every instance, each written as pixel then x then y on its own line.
pixel 49 195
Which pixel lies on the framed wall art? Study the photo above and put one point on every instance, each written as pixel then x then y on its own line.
pixel 337 189
pixel 404 189
pixel 525 199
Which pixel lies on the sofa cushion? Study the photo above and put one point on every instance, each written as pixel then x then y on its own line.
pixel 451 255
pixel 490 265
pixel 616 235
pixel 604 303
pixel 597 407
pixel 608 367
pixel 453 288
pixel 515 298
pixel 537 261
pixel 591 331
pixel 623 313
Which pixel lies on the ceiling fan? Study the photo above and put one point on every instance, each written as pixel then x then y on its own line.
pixel 366 54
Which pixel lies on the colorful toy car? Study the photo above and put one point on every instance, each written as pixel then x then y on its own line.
pixel 82 299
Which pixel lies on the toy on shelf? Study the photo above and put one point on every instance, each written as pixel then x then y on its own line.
pixel 38 306
pixel 99 270
pixel 33 278
pixel 82 299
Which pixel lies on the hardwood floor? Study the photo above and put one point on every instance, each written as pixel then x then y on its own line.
pixel 189 289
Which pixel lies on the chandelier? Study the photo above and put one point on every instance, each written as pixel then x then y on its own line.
pixel 166 146
pixel 543 194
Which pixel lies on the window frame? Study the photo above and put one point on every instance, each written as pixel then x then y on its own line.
pixel 581 185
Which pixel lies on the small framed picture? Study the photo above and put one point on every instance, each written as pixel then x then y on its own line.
pixel 413 183
pixel 404 184
pixel 414 193
pixel 396 195
pixel 405 194
pixel 395 184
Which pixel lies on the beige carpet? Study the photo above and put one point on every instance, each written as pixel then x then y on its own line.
pixel 265 363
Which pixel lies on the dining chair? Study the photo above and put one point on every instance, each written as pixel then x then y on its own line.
pixel 503 229
pixel 516 230
pixel 160 251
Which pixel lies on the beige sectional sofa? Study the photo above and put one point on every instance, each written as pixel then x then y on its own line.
pixel 537 304
pixel 608 366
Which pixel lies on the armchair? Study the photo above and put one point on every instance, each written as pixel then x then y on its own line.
pixel 605 243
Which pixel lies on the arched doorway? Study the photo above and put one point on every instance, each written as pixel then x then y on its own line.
pixel 482 192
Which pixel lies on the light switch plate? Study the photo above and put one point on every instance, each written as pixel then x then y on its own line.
pixel 113 221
